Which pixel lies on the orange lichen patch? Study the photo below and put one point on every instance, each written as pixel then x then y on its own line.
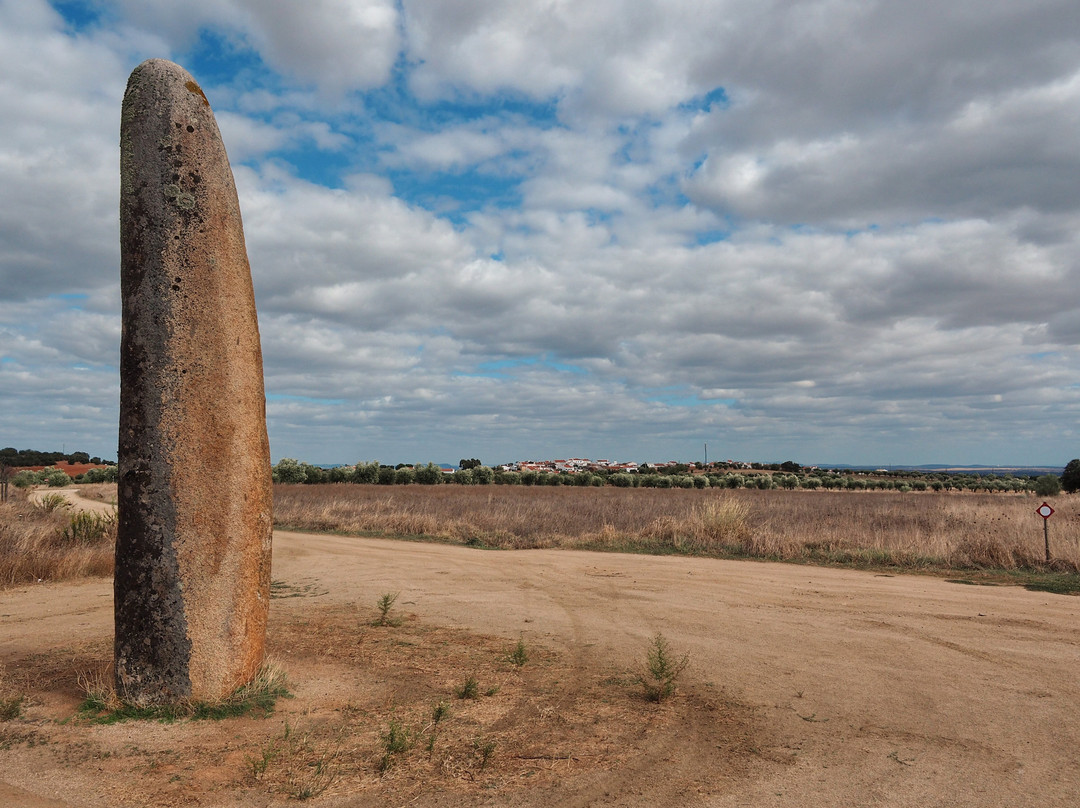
pixel 195 88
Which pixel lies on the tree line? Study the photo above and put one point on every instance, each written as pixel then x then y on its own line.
pixel 20 458
pixel 290 470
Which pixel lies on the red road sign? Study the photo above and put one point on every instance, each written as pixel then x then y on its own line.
pixel 1045 511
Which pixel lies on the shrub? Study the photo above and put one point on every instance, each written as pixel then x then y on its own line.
pixel 89 528
pixel 54 478
pixel 662 669
pixel 1049 485
pixel 470 689
pixel 483 475
pixel 520 654
pixel 386 475
pixel 24 479
pixel 109 474
pixel 384 605
pixel 52 502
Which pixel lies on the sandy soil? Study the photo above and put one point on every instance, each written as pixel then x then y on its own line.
pixel 807 686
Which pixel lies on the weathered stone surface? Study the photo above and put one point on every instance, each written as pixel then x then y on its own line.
pixel 192 583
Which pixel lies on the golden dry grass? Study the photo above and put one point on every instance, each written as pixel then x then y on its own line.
pixel 37 544
pixel 950 530
pixel 914 530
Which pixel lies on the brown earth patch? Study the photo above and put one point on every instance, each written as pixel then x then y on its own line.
pixel 557 726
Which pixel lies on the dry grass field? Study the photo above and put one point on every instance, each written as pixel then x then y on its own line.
pixel 914 531
pixel 952 531
pixel 47 541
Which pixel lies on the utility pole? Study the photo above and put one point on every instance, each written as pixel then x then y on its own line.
pixel 706 454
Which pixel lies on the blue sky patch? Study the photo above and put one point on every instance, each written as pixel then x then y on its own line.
pixel 77 14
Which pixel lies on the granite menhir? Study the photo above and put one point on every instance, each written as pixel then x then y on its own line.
pixel 192 584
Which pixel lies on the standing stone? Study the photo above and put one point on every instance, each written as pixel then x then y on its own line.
pixel 192 584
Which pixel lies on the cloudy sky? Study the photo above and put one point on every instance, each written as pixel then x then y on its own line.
pixel 827 231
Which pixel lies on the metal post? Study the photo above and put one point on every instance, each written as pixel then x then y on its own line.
pixel 1046 537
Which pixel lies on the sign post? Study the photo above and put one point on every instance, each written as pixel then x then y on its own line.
pixel 1045 511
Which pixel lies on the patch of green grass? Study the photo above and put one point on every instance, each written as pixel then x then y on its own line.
pixel 1057 583
pixel 101 705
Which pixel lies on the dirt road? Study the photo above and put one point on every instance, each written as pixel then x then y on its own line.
pixel 872 690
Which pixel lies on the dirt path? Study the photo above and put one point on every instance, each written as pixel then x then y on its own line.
pixel 870 689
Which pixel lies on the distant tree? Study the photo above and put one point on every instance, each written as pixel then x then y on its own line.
pixel 404 475
pixel 289 470
pixel 1048 485
pixel 788 481
pixel 366 473
pixel 1070 477
pixel 315 474
pixel 790 466
pixel 109 474
pixel 387 475
pixel 469 464
pixel 507 478
pixel 483 475
pixel 429 474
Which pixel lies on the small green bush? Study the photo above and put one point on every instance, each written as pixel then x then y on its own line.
pixel 662 669
pixel 520 654
pixel 384 605
pixel 470 689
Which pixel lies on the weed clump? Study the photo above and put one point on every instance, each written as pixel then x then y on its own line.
pixel 395 741
pixel 101 705
pixel 662 669
pixel 384 605
pixel 470 689
pixel 11 703
pixel 520 654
